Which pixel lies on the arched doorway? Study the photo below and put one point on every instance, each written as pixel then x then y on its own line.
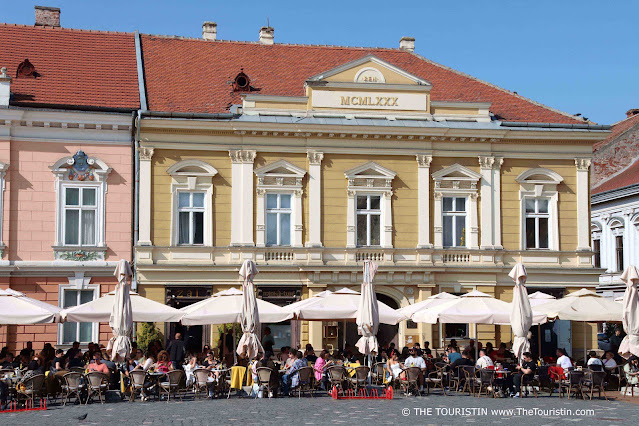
pixel 386 333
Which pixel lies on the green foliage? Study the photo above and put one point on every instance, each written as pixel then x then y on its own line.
pixel 146 333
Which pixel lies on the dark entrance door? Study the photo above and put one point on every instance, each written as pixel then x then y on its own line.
pixel 546 334
pixel 285 333
pixel 193 335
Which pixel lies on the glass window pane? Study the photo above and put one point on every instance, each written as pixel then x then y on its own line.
pixel 68 332
pixel 86 296
pixel 88 196
pixel 375 203
pixel 183 232
pixel 447 204
pixel 271 229
pixel 184 199
pixel 198 228
pixel 543 232
pixel 375 229
pixel 72 196
pixel 71 224
pixel 70 298
pixel 88 227
pixel 285 201
pixel 362 226
pixel 543 206
pixel 86 332
pixel 461 204
pixel 271 201
pixel 530 232
pixel 460 229
pixel 198 199
pixel 448 231
pixel 362 203
pixel 530 205
pixel 285 229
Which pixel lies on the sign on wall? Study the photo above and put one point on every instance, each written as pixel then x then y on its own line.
pixel 339 99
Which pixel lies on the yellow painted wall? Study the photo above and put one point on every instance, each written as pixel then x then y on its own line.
pixel 391 77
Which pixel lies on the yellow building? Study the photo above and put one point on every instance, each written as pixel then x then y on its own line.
pixel 311 159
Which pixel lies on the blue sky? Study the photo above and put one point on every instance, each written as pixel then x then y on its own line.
pixel 577 56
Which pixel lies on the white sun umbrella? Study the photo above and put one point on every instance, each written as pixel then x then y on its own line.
pixel 430 302
pixel 619 299
pixel 16 308
pixel 340 305
pixel 630 319
pixel 368 313
pixel 521 313
pixel 143 310
pixel 121 320
pixel 250 316
pixel 583 305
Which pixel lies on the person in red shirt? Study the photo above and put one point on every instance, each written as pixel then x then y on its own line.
pixel 98 365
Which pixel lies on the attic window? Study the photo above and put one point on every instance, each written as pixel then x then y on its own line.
pixel 26 69
pixel 242 82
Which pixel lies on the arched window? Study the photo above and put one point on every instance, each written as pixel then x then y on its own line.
pixel 616 226
pixel 595 232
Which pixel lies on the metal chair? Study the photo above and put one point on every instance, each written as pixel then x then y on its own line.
pixel 97 384
pixel 466 379
pixel 436 378
pixel 201 381
pixel 173 385
pixel 336 376
pixel 378 373
pixel 264 380
pixel 72 385
pixel 31 387
pixel 305 382
pixel 574 382
pixel 360 378
pixel 138 383
pixel 617 373
pixel 629 383
pixel 486 380
pixel 594 380
pixel 411 380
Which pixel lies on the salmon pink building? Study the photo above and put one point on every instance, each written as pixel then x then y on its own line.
pixel 66 172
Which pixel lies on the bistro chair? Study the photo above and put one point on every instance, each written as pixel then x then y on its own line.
pixel 360 378
pixel 72 385
pixel 80 370
pixel 466 378
pixel 336 376
pixel 411 381
pixel 173 385
pixel 486 380
pixel 630 383
pixel 305 382
pixel 378 373
pixel 617 373
pixel 574 382
pixel 139 383
pixel 201 383
pixel 437 378
pixel 594 380
pixel 264 380
pixel 97 384
pixel 31 387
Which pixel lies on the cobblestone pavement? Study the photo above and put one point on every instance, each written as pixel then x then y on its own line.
pixel 433 409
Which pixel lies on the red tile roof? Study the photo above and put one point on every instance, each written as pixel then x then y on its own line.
pixel 617 130
pixel 77 69
pixel 191 75
pixel 629 176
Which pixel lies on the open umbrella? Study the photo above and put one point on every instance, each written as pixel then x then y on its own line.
pixel 250 317
pixel 368 313
pixel 16 308
pixel 430 302
pixel 121 320
pixel 521 313
pixel 630 319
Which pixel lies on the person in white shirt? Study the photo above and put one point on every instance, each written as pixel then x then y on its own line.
pixel 484 360
pixel 188 371
pixel 562 360
pixel 416 361
pixel 609 362
pixel 594 360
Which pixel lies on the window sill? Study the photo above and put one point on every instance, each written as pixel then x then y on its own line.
pixel 79 253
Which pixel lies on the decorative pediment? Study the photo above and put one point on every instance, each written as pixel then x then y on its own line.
pixel 540 176
pixel 370 175
pixel 456 177
pixel 80 167
pixel 279 174
pixel 192 167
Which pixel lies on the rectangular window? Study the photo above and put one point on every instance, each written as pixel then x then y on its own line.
pixel 537 218
pixel 596 248
pixel 619 252
pixel 71 331
pixel 278 219
pixel 190 218
pixel 80 216
pixel 369 215
pixel 455 331
pixel 454 221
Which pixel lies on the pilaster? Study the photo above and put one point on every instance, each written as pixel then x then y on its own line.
pixel 314 199
pixel 145 183
pixel 583 203
pixel 242 197
pixel 423 197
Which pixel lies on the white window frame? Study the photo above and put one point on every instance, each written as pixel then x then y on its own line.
pixel 3 171
pixel 368 212
pixel 63 207
pixel 284 178
pixel 192 175
pixel 596 235
pixel 540 183
pixel 617 229
pixel 95 329
pixel 536 215
pixel 190 210
pixel 278 211
pixel 456 214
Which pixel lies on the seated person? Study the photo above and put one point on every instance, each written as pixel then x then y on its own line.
pixel 291 378
pixel 464 359
pixel 283 356
pixel 98 365
pixel 149 361
pixel 415 360
pixel 163 365
pixel 609 361
pixel 593 360
pixel 7 362
pixel 632 370
pixel 484 360
pixel 267 362
pixel 502 353
pixel 418 349
pixel 426 349
pixel 210 362
pixel 562 360
pixel 321 364
pixel 58 363
pixel 309 353
pixel 525 375
pixel 77 361
pixel 394 367
pixel 490 351
pixel 188 370
pixel 453 354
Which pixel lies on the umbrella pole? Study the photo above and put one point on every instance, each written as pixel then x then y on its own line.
pixel 476 343
pixel 585 362
pixel 442 339
pixel 539 341
pixel 234 351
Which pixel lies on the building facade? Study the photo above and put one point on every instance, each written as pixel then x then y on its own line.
pixel 66 169
pixel 615 204
pixel 311 159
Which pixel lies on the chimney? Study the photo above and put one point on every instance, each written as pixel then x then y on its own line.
pixel 632 112
pixel 267 34
pixel 47 16
pixel 5 88
pixel 407 44
pixel 209 30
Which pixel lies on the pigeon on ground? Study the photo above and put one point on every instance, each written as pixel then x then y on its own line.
pixel 82 417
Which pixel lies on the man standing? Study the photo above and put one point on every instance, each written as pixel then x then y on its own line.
pixel 267 342
pixel 176 351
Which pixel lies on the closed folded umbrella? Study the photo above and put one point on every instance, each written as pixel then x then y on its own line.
pixel 368 313
pixel 521 313
pixel 630 318
pixel 16 308
pixel 121 320
pixel 250 316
